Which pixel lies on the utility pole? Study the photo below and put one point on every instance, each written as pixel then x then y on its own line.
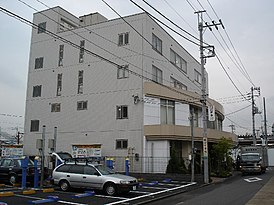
pixel 43 155
pixel 232 128
pixel 254 111
pixel 203 100
pixel 192 144
pixel 265 127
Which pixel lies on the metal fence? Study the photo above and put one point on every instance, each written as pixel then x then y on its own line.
pixel 141 164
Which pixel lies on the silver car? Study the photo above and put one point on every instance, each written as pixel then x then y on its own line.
pixel 94 176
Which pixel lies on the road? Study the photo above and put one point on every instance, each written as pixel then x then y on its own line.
pixel 237 190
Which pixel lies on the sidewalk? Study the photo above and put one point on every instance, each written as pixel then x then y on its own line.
pixel 265 195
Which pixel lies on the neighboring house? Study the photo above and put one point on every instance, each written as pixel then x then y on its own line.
pixel 137 107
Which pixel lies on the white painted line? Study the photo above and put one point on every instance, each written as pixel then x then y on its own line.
pixel 67 202
pixel 28 197
pixel 38 198
pixel 169 184
pixel 111 197
pixel 253 179
pixel 140 192
pixel 153 187
pixel 151 194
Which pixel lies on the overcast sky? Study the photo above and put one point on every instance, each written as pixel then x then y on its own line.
pixel 248 23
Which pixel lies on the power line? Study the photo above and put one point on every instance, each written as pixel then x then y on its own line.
pixel 168 20
pixel 231 79
pixel 115 43
pixel 232 45
pixel 142 35
pixel 238 110
pixel 237 124
pixel 180 16
pixel 89 52
pixel 234 60
pixel 219 58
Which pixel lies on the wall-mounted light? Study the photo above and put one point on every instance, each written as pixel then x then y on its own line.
pixel 136 98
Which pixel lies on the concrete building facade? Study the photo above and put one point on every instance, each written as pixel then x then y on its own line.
pixel 124 84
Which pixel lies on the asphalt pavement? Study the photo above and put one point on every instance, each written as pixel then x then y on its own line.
pixel 265 196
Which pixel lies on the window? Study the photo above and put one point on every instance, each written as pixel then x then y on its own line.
pixel 90 170
pixel 61 55
pixel 178 61
pixel 37 91
pixel 80 81
pixel 77 169
pixel 82 51
pixel 121 144
pixel 55 107
pixel 42 27
pixel 38 63
pixel 197 77
pixel 82 105
pixel 123 39
pixel 122 71
pixel 63 168
pixel 122 112
pixel 34 125
pixel 156 43
pixel 59 84
pixel 157 75
pixel 176 84
pixel 167 111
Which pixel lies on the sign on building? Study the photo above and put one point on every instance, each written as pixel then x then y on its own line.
pixel 12 150
pixel 211 113
pixel 92 150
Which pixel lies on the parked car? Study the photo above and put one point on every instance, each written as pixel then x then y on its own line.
pixel 11 170
pixel 94 176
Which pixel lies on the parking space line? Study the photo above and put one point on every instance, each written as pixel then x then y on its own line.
pixel 151 194
pixel 39 198
pixel 111 197
pixel 68 202
pixel 153 187
pixel 163 184
pixel 140 192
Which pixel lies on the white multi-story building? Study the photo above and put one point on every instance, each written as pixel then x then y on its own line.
pixel 124 84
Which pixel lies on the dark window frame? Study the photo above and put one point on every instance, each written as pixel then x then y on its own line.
pixel 82 105
pixel 157 44
pixel 123 39
pixel 37 91
pixel 121 143
pixel 39 63
pixel 34 125
pixel 122 72
pixel 42 27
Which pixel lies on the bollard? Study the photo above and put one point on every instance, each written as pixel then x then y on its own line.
pixel 107 163
pixel 24 165
pixel 111 163
pixel 36 173
pixel 127 166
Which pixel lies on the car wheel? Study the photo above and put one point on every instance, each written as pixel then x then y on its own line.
pixel 110 189
pixel 64 185
pixel 12 179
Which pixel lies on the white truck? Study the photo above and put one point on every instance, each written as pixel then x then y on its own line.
pixel 253 159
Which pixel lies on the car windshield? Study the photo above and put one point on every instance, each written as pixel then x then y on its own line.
pixel 64 155
pixel 104 170
pixel 250 157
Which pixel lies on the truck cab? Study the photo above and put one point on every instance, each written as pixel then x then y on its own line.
pixel 253 160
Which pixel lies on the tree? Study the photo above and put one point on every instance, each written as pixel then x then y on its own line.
pixel 175 164
pixel 221 161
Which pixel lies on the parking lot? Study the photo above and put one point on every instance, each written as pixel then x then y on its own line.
pixel 147 191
